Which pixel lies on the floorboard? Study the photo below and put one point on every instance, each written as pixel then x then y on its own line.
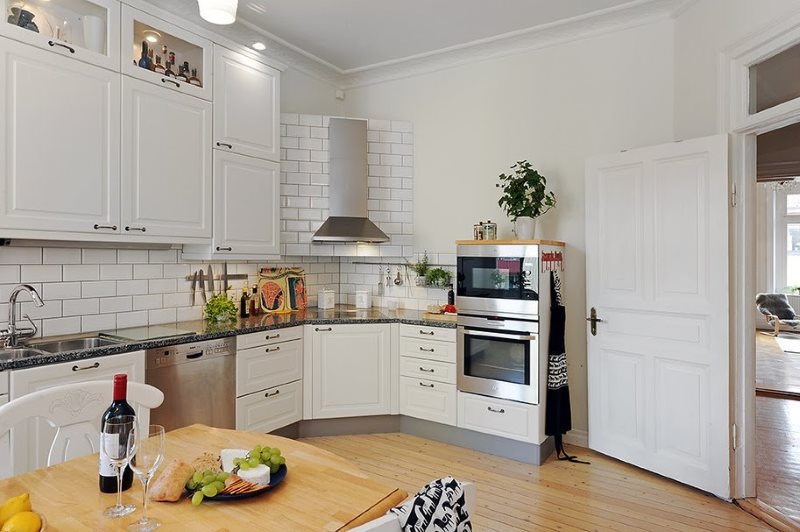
pixel 777 371
pixel 606 495
pixel 778 454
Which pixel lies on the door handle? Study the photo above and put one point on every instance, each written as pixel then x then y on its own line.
pixel 70 48
pixel 593 320
pixel 225 144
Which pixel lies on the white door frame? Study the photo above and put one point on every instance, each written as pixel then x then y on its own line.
pixel 743 128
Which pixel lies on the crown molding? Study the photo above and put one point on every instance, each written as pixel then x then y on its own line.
pixel 584 26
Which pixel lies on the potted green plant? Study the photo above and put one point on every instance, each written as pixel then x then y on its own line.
pixel 421 269
pixel 525 198
pixel 438 277
pixel 220 308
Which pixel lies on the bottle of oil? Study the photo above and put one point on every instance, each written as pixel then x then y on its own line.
pixel 243 303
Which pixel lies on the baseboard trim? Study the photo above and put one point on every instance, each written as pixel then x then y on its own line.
pixel 579 438
pixel 768 514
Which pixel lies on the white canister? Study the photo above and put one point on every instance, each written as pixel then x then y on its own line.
pixel 326 298
pixel 94 33
pixel 363 299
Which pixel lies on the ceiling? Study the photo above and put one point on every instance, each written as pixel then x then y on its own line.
pixel 349 35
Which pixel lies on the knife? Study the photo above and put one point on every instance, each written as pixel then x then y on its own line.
pixel 194 287
pixel 225 277
pixel 211 280
pixel 203 286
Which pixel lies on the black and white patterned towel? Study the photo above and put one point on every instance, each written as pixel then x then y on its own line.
pixel 438 507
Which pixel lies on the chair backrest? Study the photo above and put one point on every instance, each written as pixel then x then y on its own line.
pixel 74 410
pixel 775 305
pixel 391 523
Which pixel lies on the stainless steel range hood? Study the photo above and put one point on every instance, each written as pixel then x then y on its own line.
pixel 347 190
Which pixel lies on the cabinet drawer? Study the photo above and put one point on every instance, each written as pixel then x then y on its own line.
pixel 429 400
pixel 431 349
pixel 246 341
pixel 430 333
pixel 501 418
pixel 262 367
pixel 270 409
pixel 421 368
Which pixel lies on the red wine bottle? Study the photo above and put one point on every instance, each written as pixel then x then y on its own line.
pixel 119 407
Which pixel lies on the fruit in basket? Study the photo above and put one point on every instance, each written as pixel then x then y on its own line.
pixel 26 521
pixel 13 506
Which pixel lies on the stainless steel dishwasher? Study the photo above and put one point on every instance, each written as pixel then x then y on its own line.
pixel 199 383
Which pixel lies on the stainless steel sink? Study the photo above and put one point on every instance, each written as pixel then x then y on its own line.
pixel 71 344
pixel 7 355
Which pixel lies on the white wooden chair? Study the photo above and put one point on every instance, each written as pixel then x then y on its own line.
pixel 74 410
pixel 391 523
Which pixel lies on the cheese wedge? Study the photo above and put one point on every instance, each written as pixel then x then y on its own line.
pixel 256 475
pixel 227 456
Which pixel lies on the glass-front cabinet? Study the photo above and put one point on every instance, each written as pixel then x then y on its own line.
pixel 87 30
pixel 158 52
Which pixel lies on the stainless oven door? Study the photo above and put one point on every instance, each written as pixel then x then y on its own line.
pixel 499 364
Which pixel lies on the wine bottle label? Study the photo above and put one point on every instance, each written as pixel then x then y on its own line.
pixel 108 442
pixel 107 469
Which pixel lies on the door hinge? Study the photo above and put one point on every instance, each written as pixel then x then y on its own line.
pixel 734 436
pixel 733 195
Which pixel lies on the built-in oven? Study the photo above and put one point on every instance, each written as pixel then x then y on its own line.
pixel 498 357
pixel 501 279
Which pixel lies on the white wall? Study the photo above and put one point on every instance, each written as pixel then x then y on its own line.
pixel 555 107
pixel 702 33
pixel 302 93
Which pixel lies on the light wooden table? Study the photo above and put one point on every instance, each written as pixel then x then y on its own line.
pixel 321 491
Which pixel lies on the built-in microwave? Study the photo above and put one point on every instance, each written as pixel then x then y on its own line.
pixel 500 279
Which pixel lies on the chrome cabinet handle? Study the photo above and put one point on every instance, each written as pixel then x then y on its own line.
pixel 129 228
pixel 229 146
pixel 271 349
pixel 273 337
pixel 273 394
pixel 224 248
pixel 501 411
pixel 167 80
pixel 112 227
pixel 70 48
pixel 93 366
pixel 426 385
pixel 427 370
pixel 326 329
pixel 429 333
pixel 426 350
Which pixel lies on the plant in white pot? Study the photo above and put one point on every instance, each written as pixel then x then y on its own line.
pixel 525 198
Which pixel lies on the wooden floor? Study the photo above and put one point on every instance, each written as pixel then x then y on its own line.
pixel 776 371
pixel 606 495
pixel 778 454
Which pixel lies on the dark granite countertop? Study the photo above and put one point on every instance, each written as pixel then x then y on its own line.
pixel 207 330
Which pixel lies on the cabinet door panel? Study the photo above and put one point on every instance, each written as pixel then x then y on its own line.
pixel 351 370
pixel 246 108
pixel 271 409
pixel 166 162
pixel 429 400
pixel 246 205
pixel 259 368
pixel 30 445
pixel 59 142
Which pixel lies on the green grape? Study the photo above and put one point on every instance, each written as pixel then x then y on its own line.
pixel 197 498
pixel 219 485
pixel 197 477
pixel 275 459
pixel 191 485
pixel 283 460
pixel 273 468
pixel 209 490
pixel 253 462
pixel 244 466
pixel 222 476
pixel 264 456
pixel 257 449
pixel 208 479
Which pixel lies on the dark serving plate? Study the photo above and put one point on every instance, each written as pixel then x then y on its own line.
pixel 274 480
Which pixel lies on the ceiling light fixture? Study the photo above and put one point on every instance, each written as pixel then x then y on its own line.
pixel 260 46
pixel 218 11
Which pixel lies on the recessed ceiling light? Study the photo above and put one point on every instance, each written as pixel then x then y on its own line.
pixel 151 35
pixel 218 11
pixel 260 46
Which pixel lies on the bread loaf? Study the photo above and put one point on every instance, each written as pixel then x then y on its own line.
pixel 171 482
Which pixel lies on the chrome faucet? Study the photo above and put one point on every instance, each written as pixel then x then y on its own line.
pixel 11 335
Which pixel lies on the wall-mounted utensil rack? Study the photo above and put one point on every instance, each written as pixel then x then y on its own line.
pixel 220 277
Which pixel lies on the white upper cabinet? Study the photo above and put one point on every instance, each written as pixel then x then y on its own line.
pixel 87 30
pixel 59 143
pixel 167 43
pixel 166 163
pixel 246 205
pixel 246 106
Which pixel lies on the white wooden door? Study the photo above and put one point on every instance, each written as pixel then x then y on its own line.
pixel 59 142
pixel 30 444
pixel 166 162
pixel 246 106
pixel 657 275
pixel 246 205
pixel 351 370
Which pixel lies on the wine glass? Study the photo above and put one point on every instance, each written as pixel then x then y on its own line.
pixel 145 454
pixel 114 447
